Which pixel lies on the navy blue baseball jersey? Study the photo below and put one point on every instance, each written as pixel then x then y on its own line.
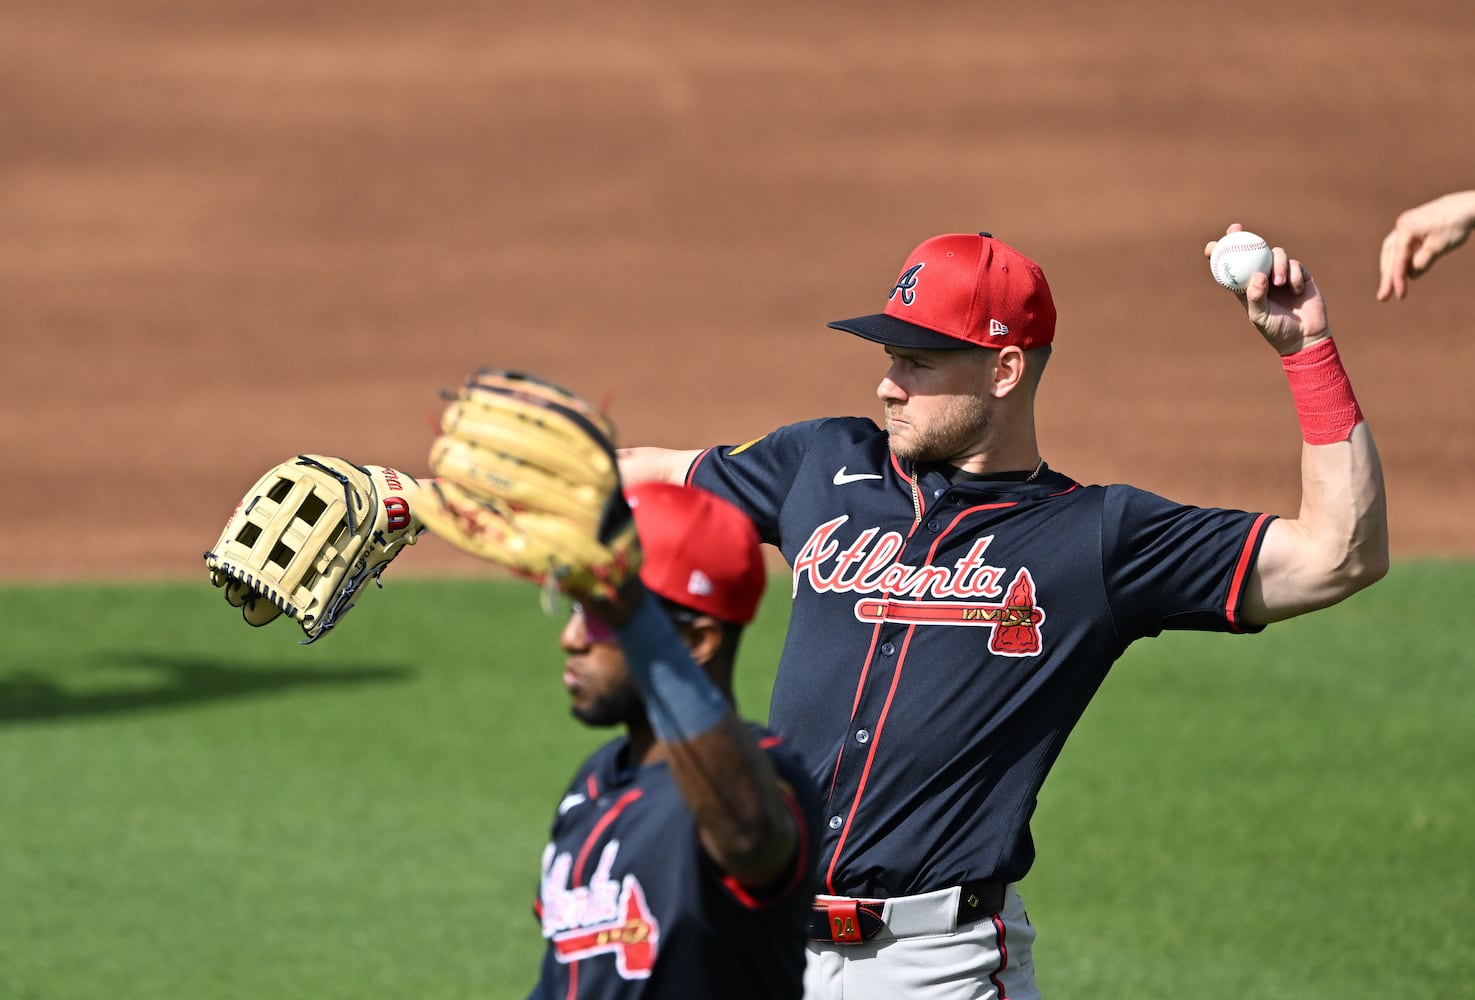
pixel 632 905
pixel 948 630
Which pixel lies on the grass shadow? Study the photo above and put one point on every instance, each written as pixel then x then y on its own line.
pixel 178 681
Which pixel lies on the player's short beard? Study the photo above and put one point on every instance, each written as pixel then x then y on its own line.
pixel 618 707
pixel 954 431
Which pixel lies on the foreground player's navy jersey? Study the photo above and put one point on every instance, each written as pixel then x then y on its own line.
pixel 944 640
pixel 632 905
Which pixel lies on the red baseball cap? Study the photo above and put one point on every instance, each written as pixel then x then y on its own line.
pixel 699 550
pixel 963 290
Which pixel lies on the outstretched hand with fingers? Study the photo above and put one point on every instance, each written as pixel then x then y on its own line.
pixel 1420 237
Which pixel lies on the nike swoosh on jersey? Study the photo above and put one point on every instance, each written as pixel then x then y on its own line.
pixel 841 477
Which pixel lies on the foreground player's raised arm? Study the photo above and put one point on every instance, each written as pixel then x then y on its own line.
pixel 747 821
pixel 661 465
pixel 745 818
pixel 1338 542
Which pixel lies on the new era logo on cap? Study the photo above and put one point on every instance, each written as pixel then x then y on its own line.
pixel 963 290
pixel 699 551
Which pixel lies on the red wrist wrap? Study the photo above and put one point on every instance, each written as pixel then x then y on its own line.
pixel 1323 394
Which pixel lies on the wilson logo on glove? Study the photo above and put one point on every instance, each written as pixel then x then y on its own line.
pixel 308 535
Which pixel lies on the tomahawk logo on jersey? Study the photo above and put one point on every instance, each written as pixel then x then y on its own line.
pixel 603 917
pixel 632 906
pixel 969 593
pixel 920 607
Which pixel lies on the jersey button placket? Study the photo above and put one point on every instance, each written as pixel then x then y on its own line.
pixel 851 766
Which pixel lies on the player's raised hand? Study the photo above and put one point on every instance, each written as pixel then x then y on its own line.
pixel 1419 237
pixel 1284 304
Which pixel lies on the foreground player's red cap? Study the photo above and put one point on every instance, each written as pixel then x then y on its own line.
pixel 699 550
pixel 963 290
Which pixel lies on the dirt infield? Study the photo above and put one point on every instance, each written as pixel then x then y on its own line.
pixel 235 231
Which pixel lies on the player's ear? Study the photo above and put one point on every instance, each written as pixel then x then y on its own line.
pixel 1009 370
pixel 703 635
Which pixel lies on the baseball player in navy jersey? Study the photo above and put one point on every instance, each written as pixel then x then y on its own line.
pixel 957 602
pixel 681 860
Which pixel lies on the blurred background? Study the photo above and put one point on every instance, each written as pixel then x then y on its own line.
pixel 235 231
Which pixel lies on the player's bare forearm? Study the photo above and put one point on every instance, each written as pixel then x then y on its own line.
pixel 742 811
pixel 1337 544
pixel 662 465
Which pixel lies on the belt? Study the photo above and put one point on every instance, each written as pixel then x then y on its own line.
pixel 845 920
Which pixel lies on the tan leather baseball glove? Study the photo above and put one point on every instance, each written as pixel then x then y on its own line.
pixel 308 535
pixel 525 477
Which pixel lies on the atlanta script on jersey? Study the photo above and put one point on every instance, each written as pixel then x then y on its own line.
pixel 948 630
pixel 632 906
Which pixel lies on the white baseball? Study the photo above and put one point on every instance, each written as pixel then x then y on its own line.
pixel 1237 256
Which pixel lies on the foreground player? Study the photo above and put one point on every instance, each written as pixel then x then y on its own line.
pixel 957 603
pixel 681 858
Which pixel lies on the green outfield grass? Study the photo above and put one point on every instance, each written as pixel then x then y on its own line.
pixel 195 809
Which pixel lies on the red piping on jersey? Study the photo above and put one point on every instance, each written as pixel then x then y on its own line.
pixel 804 849
pixel 578 872
pixel 805 843
pixel 962 514
pixel 860 686
pixel 592 786
pixel 604 821
pixel 691 470
pixel 1242 572
pixel 802 843
pixel 870 758
pixel 886 707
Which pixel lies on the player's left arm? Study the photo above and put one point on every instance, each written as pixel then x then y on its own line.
pixel 1338 542
pixel 748 821
pixel 661 465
